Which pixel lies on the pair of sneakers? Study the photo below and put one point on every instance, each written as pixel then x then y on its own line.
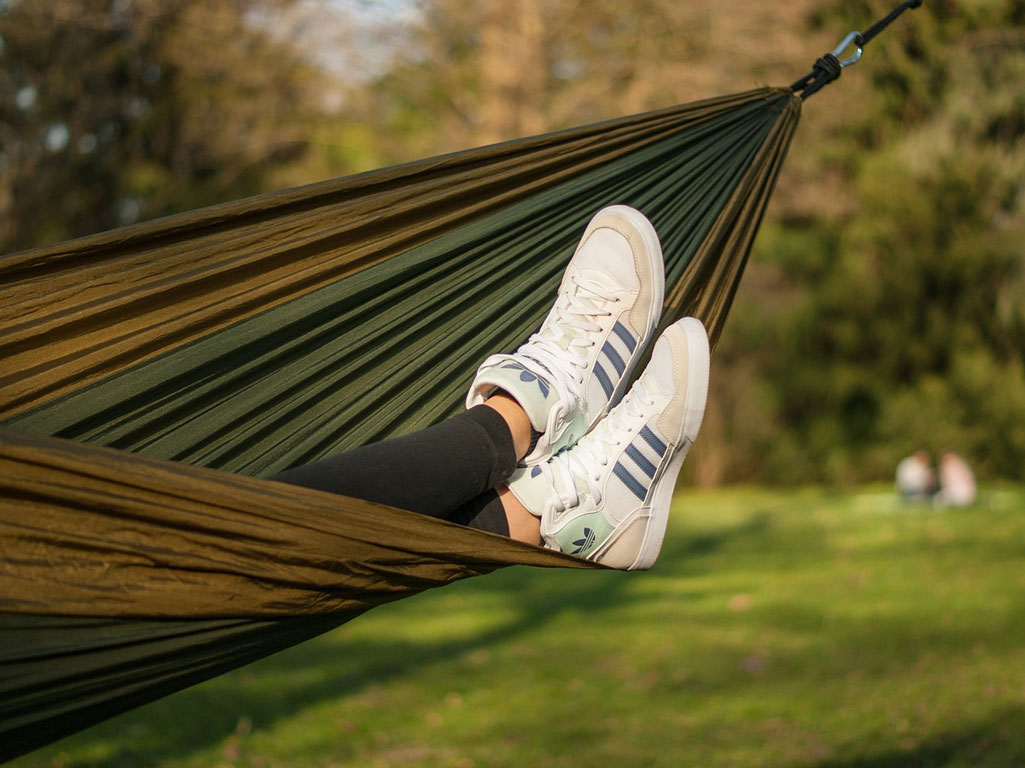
pixel 602 471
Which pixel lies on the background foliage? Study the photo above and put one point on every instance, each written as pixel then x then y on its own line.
pixel 883 310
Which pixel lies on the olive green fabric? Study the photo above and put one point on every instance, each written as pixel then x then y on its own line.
pixel 149 376
pixel 125 578
pixel 75 313
pixel 390 348
pixel 64 674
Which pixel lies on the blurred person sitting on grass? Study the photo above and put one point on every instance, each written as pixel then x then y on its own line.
pixel 552 449
pixel 957 481
pixel 915 477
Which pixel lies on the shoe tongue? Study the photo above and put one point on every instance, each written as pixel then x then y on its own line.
pixel 529 486
pixel 564 340
pixel 532 488
pixel 567 333
pixel 579 483
pixel 579 298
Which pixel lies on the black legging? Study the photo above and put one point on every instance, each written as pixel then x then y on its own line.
pixel 447 471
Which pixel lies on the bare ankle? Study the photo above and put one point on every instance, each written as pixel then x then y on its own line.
pixel 523 526
pixel 516 419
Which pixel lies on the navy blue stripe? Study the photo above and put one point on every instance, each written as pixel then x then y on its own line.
pixel 614 358
pixel 603 379
pixel 652 439
pixel 620 330
pixel 646 466
pixel 630 481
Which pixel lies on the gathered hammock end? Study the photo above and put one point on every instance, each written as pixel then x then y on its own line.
pixel 829 67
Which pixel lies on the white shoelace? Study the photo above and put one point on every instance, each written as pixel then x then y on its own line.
pixel 587 459
pixel 566 339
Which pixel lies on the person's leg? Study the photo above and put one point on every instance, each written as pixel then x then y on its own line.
pixel 434 471
pixel 537 400
pixel 498 511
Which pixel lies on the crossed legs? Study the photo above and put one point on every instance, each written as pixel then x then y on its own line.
pixel 553 448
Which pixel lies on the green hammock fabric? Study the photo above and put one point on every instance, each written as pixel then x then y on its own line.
pixel 150 375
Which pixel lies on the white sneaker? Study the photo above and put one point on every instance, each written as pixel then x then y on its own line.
pixel 607 498
pixel 569 373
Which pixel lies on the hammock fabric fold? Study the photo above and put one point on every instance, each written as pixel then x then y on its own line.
pixel 150 375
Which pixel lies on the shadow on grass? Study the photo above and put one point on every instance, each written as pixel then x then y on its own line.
pixel 997 741
pixel 314 672
pixel 681 551
pixel 197 718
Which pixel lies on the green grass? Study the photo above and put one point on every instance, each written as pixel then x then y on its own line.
pixel 796 628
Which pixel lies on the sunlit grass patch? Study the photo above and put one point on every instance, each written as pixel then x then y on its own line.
pixel 779 628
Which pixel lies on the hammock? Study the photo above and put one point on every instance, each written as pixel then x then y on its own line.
pixel 149 376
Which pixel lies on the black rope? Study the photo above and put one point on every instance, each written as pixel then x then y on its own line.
pixel 827 68
pixel 883 23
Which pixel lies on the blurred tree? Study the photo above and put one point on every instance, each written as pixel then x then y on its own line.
pixel 903 324
pixel 113 111
pixel 883 310
pixel 474 72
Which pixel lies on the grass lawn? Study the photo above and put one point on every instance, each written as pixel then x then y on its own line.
pixel 779 628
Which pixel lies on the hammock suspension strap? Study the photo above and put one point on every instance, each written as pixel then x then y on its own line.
pixel 829 67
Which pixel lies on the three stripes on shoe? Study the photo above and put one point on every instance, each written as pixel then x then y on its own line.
pixel 646 441
pixel 619 345
pixel 614 357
